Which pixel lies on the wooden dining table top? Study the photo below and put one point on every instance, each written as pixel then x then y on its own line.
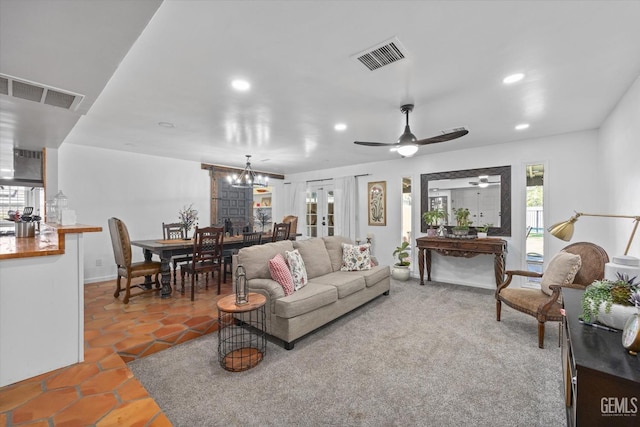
pixel 181 243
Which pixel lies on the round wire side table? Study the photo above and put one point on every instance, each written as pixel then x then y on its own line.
pixel 242 342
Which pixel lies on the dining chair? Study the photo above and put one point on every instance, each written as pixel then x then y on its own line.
pixel 206 258
pixel 248 239
pixel 175 231
pixel 125 268
pixel 280 231
pixel 293 229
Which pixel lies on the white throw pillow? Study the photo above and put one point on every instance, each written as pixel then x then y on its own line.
pixel 297 268
pixel 356 257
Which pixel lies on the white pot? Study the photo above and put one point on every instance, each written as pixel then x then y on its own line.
pixel 482 235
pixel 617 317
pixel 400 272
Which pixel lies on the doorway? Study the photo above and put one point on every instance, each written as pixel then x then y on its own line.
pixel 319 211
pixel 534 242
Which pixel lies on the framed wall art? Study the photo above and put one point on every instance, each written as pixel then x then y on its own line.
pixel 377 194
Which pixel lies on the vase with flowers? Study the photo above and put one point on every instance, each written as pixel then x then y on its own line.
pixel 188 216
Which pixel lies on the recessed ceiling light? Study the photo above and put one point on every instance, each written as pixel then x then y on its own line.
pixel 166 124
pixel 513 78
pixel 522 126
pixel 340 127
pixel 241 85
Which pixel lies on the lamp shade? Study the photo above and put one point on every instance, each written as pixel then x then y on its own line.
pixel 563 230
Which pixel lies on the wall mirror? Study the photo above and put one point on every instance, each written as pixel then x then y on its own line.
pixel 486 192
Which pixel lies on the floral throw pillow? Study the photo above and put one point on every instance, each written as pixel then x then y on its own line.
pixel 356 257
pixel 280 273
pixel 297 268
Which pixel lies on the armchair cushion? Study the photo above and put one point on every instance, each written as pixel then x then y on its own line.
pixel 529 301
pixel 561 271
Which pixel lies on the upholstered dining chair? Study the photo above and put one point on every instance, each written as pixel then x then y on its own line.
pixel 207 256
pixel 293 228
pixel 280 231
pixel 122 253
pixel 248 239
pixel 175 231
pixel 576 266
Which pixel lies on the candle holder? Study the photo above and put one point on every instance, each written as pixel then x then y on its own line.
pixel 241 286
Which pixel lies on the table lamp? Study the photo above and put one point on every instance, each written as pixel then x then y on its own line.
pixel 564 230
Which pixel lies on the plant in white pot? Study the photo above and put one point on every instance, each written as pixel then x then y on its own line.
pixel 431 218
pixel 483 231
pixel 400 269
pixel 610 302
pixel 462 221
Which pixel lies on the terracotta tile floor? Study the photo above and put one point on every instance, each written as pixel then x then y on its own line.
pixel 102 391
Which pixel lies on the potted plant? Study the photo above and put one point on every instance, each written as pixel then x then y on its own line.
pixel 400 269
pixel 611 302
pixel 188 216
pixel 462 221
pixel 431 218
pixel 483 231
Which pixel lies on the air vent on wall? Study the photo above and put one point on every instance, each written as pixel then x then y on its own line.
pixel 39 93
pixel 382 54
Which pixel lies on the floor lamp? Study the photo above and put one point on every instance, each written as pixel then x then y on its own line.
pixel 564 230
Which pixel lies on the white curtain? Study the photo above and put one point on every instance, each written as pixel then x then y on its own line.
pixel 345 206
pixel 295 203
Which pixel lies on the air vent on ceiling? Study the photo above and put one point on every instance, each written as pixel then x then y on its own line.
pixel 382 54
pixel 39 93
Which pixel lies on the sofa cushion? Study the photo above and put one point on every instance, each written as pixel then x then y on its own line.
pixel 334 249
pixel 356 257
pixel 374 275
pixel 255 259
pixel 315 255
pixel 309 298
pixel 345 282
pixel 281 274
pixel 297 268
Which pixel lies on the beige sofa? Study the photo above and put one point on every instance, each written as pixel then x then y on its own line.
pixel 329 293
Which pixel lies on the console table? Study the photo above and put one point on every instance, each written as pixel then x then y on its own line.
pixel 466 248
pixel 602 380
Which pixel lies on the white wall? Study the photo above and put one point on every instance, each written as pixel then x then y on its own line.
pixel 144 191
pixel 619 152
pixel 590 171
pixel 569 183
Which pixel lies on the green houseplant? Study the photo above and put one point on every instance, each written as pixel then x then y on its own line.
pixel 610 302
pixel 431 218
pixel 462 221
pixel 400 269
pixel 483 230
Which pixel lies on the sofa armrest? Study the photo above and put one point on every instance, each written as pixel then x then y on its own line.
pixel 270 288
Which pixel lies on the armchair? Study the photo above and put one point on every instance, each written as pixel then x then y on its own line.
pixel 545 304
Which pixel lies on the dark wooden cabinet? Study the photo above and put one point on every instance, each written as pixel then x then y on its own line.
pixel 601 379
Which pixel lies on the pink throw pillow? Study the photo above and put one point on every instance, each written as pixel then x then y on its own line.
pixel 280 273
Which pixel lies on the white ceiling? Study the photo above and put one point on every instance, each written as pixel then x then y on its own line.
pixel 139 64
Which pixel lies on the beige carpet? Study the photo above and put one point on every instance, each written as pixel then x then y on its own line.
pixel 429 355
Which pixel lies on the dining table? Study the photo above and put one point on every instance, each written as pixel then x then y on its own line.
pixel 167 249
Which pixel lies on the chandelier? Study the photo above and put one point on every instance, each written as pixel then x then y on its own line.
pixel 248 178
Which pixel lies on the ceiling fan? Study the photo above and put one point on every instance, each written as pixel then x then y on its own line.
pixel 483 181
pixel 407 144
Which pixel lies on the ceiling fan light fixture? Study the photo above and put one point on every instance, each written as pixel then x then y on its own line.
pixel 407 150
pixel 513 78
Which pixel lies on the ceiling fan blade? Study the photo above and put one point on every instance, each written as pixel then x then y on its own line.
pixel 375 144
pixel 446 136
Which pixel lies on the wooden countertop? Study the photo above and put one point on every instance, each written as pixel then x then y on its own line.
pixel 50 241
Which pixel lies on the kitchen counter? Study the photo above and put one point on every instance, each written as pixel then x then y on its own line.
pixel 42 301
pixel 50 241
